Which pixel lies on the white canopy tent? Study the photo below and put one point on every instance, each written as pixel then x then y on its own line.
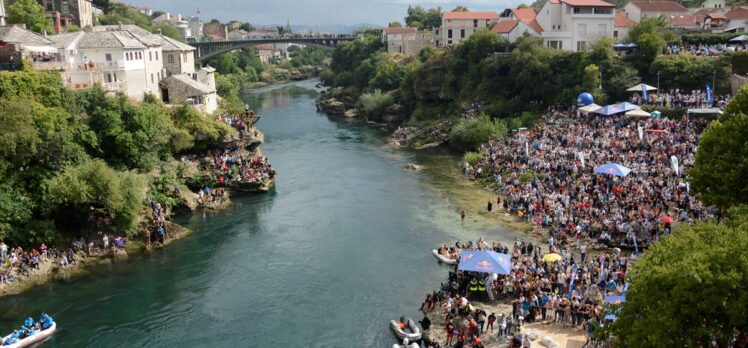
pixel 589 108
pixel 638 113
pixel 741 38
pixel 638 88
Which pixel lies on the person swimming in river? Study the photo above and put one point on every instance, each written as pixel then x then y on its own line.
pixel 462 214
pixel 489 207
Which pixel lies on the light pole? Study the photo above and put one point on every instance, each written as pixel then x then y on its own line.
pixel 601 79
pixel 658 83
pixel 714 76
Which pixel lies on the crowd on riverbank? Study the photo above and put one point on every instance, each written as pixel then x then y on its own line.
pixel 695 99
pixel 568 291
pixel 547 175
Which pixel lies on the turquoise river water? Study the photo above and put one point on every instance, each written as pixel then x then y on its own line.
pixel 339 248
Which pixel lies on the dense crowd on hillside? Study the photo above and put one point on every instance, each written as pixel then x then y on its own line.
pixel 681 99
pixel 547 175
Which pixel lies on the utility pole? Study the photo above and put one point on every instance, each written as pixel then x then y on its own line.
pixel 658 83
pixel 601 79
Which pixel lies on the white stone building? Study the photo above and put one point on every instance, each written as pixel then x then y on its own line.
pixel 458 26
pixel 573 25
pixel 636 10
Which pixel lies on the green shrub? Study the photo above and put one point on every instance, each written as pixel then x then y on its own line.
pixel 375 103
pixel 469 134
pixel 472 158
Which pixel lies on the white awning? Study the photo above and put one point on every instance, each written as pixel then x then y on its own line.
pixel 638 88
pixel 638 113
pixel 589 108
pixel 40 49
pixel 705 111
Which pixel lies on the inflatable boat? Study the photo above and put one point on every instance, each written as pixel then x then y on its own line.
pixel 443 258
pixel 36 337
pixel 413 335
pixel 406 344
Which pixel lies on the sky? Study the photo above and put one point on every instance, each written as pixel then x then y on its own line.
pixel 313 12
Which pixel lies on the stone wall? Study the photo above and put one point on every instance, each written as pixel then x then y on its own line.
pixel 736 82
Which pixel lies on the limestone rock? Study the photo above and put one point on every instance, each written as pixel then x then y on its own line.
pixel 413 166
pixel 549 342
pixel 352 113
pixel 331 106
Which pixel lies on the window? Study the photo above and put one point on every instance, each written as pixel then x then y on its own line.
pixel 581 45
pixel 462 33
pixel 475 23
pixel 159 76
pixel 437 31
pixel 449 33
pixel 65 8
pixel 152 78
pixel 156 55
pixel 108 57
pixel 615 34
pixel 582 29
pixel 555 45
pixel 127 56
pixel 150 56
pixel 170 58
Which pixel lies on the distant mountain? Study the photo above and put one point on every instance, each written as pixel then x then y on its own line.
pixel 326 28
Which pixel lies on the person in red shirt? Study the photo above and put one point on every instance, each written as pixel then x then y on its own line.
pixel 450 327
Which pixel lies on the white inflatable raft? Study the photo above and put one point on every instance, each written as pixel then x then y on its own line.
pixel 443 258
pixel 413 335
pixel 40 335
pixel 406 344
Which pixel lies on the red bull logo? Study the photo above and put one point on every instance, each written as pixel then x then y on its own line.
pixel 467 257
pixel 484 266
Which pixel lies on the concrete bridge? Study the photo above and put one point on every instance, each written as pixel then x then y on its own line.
pixel 207 50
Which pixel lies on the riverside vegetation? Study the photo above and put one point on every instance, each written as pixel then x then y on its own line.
pixel 75 162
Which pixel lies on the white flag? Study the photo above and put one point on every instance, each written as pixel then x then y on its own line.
pixel 641 132
pixel 674 163
pixel 527 149
pixel 581 157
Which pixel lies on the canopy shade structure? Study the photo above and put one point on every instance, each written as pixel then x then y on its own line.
pixel 741 38
pixel 626 106
pixel 638 113
pixel 608 110
pixel 40 49
pixel 589 108
pixel 638 88
pixel 613 169
pixel 485 262
pixel 705 111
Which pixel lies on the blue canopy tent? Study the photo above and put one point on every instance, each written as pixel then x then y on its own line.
pixel 608 110
pixel 626 106
pixel 485 261
pixel 613 169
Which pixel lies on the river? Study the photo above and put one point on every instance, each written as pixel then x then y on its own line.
pixel 340 247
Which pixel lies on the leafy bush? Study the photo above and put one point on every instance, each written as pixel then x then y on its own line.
pixel 375 103
pixel 472 158
pixel 469 134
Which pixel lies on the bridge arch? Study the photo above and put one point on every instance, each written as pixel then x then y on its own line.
pixel 207 50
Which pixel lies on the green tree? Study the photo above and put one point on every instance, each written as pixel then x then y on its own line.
pixel 720 174
pixel 30 13
pixel 421 18
pixel 460 9
pixel 168 30
pixel 104 5
pixel 247 27
pixel 375 103
pixel 688 289
pixel 388 74
pixel 395 24
pixel 650 34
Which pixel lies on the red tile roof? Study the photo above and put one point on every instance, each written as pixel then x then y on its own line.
pixel 504 27
pixel 554 1
pixel 716 15
pixel 684 20
pixel 662 6
pixel 534 25
pixel 704 11
pixel 400 30
pixel 588 3
pixel 471 15
pixel 622 22
pixel 737 13
pixel 525 14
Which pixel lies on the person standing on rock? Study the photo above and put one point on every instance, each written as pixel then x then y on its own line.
pixel 3 252
pixel 489 207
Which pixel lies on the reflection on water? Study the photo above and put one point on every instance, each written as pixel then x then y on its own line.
pixel 339 248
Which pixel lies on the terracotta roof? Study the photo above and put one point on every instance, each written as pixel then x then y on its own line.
pixel 588 3
pixel 400 30
pixel 504 27
pixel 526 15
pixel 663 6
pixel 534 25
pixel 622 22
pixel 716 15
pixel 737 13
pixel 554 1
pixel 704 11
pixel 471 15
pixel 684 20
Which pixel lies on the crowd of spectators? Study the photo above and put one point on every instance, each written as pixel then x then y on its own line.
pixel 547 175
pixel 676 98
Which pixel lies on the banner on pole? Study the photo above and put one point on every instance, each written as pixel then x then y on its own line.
pixel 674 164
pixel 641 132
